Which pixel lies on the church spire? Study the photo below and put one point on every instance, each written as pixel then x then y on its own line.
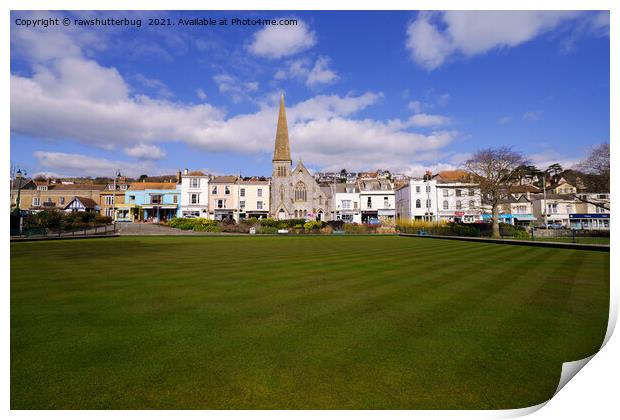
pixel 282 149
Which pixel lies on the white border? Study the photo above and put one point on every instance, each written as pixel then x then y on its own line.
pixel 592 393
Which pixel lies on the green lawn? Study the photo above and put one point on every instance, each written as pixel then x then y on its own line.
pixel 298 322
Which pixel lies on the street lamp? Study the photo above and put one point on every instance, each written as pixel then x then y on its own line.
pixel 19 177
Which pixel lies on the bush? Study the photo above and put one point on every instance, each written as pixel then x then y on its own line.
pixel 267 230
pixel 313 225
pixel 199 224
pixel 336 225
pixel 520 234
pixel 102 220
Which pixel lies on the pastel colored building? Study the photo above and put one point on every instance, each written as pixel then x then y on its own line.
pixel 150 202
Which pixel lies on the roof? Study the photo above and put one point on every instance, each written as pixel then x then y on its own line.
pixel 342 188
pixel 253 181
pixel 22 183
pixel 152 186
pixel 89 203
pixel 375 185
pixel 195 173
pixel 70 187
pixel 282 149
pixel 227 179
pixel 553 197
pixel 524 189
pixel 453 175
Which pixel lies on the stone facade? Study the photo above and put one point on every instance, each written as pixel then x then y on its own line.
pixel 295 193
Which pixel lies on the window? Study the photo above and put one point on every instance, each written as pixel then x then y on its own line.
pixel 123 187
pixel 281 171
pixel 346 204
pixel 347 217
pixel 471 192
pixel 227 190
pixel 569 209
pixel 109 200
pixel 259 205
pixel 259 192
pixel 445 204
pixel 418 204
pixel 445 193
pixel 458 204
pixel 109 212
pixel 458 193
pixel 194 182
pixel 242 204
pixel 132 199
pixel 428 188
pixel 369 203
pixel 61 200
pixel 472 204
pixel 36 201
pixel 386 203
pixel 42 188
pixel 242 192
pixel 300 191
pixel 417 189
pixel 355 205
pixel 175 199
pixel 428 204
pixel 156 199
pixel 214 189
pixel 221 204
pixel 194 198
pixel 552 208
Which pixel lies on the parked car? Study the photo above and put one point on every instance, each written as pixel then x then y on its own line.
pixel 555 226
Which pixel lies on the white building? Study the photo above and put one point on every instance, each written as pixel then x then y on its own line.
pixel 377 200
pixel 253 199
pixel 430 200
pixel 194 194
pixel 458 202
pixel 346 203
pixel 556 207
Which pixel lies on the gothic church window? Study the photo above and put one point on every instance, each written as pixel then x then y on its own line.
pixel 300 192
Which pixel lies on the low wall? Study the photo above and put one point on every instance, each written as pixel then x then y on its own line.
pixel 585 247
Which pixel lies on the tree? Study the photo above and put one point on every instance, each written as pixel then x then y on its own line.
pixel 597 166
pixel 494 170
pixel 143 177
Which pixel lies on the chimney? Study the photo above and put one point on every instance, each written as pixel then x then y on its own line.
pixel 179 176
pixel 185 171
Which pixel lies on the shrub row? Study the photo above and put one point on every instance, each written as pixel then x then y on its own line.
pixel 463 229
pixel 55 219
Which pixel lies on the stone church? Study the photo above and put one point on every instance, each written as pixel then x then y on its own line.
pixel 295 194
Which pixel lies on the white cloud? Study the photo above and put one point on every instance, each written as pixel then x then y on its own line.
pixel 532 115
pixel 145 151
pixel 156 85
pixel 548 157
pixel 76 99
pixel 504 120
pixel 321 73
pixel 432 38
pixel 281 41
pixel 71 164
pixel 311 74
pixel 200 93
pixel 251 86
pixel 428 120
pixel 233 88
pixel 415 106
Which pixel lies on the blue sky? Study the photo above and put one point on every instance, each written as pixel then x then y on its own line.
pixel 404 91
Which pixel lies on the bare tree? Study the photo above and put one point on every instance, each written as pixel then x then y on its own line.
pixel 597 165
pixel 494 170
